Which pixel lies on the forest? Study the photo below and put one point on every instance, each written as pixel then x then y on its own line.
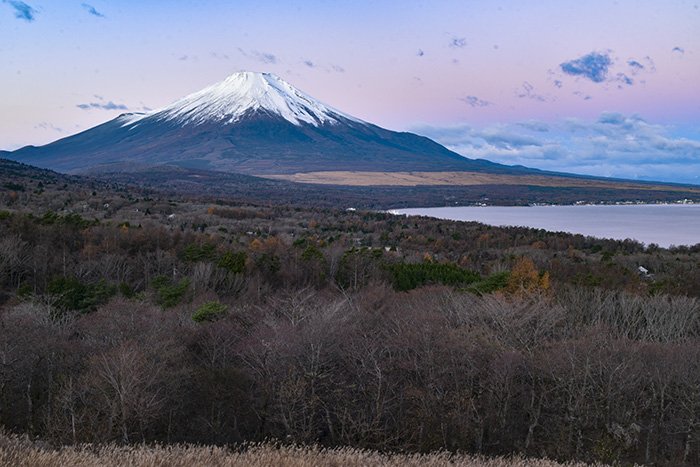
pixel 128 315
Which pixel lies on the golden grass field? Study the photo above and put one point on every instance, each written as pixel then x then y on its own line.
pixel 20 452
pixel 352 178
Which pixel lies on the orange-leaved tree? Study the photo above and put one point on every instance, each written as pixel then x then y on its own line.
pixel 525 278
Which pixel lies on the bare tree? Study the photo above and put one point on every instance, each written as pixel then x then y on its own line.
pixel 126 386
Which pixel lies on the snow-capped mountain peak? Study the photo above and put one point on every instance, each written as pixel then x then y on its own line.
pixel 243 93
pixel 250 123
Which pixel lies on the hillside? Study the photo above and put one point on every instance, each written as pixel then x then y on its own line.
pixel 131 314
pixel 204 185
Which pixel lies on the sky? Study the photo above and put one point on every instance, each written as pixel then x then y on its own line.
pixel 607 88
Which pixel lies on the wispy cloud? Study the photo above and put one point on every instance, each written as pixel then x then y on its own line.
pixel 603 68
pixel 91 9
pixel 264 57
pixel 474 101
pixel 505 139
pixel 458 42
pixel 614 145
pixel 534 125
pixel 23 11
pixel 102 106
pixel 527 91
pixel 623 79
pixel 593 66
pixel 48 126
pixel 634 64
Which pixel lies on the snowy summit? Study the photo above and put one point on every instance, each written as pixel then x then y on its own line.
pixel 241 94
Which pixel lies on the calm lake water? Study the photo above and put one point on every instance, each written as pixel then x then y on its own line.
pixel 663 224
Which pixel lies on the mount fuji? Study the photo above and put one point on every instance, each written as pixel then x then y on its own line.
pixel 250 123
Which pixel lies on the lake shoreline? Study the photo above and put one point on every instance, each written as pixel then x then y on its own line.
pixel 677 225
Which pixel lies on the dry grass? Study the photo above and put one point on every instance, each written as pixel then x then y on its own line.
pixel 351 178
pixel 16 451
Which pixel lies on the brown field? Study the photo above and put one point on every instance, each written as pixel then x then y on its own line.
pixel 16 451
pixel 351 178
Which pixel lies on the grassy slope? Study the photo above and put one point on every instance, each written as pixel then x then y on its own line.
pixel 358 178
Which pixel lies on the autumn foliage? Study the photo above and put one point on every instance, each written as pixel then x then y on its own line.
pixel 525 278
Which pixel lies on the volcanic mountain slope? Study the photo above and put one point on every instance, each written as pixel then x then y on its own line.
pixel 250 123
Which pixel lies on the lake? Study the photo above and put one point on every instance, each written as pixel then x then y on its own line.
pixel 663 224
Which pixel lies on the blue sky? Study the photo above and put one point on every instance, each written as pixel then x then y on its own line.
pixel 460 72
